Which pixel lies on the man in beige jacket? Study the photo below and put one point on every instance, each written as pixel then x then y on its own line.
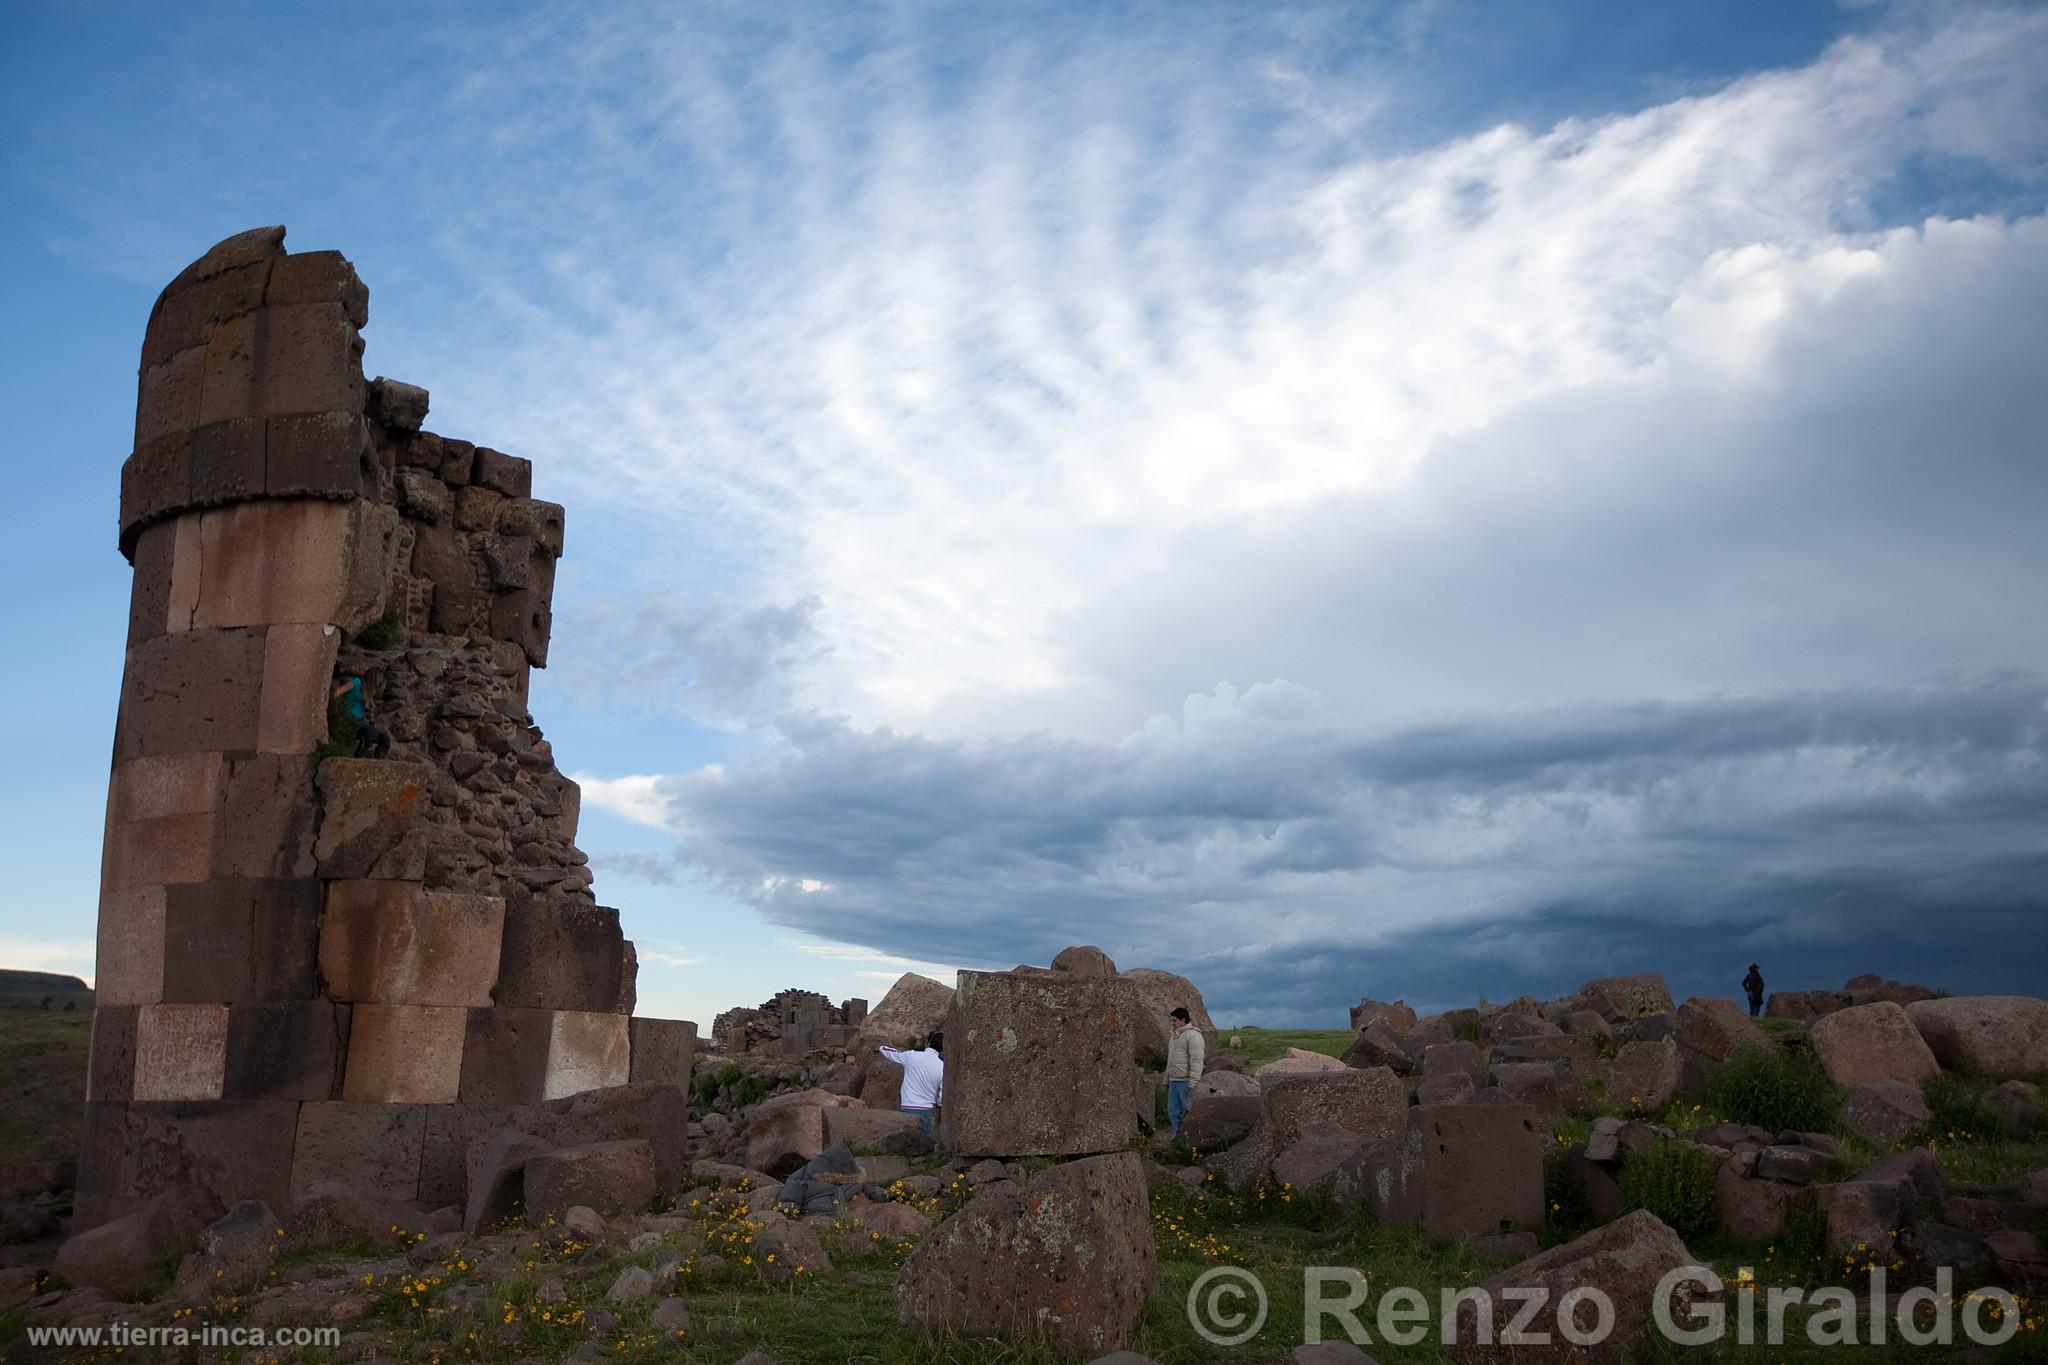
pixel 1183 1065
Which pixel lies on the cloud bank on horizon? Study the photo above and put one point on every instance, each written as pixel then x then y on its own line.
pixel 1477 566
pixel 1235 489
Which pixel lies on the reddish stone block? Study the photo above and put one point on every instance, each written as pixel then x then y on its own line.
pixel 103 1165
pixel 561 955
pixel 193 691
pixel 232 942
pixel 185 316
pixel 310 360
pixel 256 244
pixel 172 850
pixel 587 1051
pixel 505 1056
pixel 444 557
pixel 322 454
pixel 228 460
pixel 1039 1064
pixel 110 1065
pixel 451 1131
pixel 526 619
pixel 156 481
pixel 287 1050
pixel 320 277
pixel 368 1146
pixel 664 1051
pixel 267 817
pixel 458 461
pixel 398 944
pixel 228 1150
pixel 502 473
pixel 404 1054
pixel 229 388
pixel 1459 1171
pixel 180 1051
pixel 167 784
pixel 167 396
pixel 478 509
pixel 273 561
pixel 298 674
pixel 372 820
pixel 129 961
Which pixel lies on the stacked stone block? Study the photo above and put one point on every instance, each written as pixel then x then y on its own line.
pixel 1039 1063
pixel 335 968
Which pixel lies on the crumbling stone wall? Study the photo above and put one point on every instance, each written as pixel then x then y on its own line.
pixel 791 1022
pixel 337 969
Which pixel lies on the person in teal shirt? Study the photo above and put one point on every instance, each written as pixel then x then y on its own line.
pixel 371 742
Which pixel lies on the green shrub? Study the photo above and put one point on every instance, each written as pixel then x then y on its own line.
pixel 1961 1108
pixel 342 731
pixel 1566 1210
pixel 386 632
pixel 1675 1181
pixel 1775 1089
pixel 1804 1236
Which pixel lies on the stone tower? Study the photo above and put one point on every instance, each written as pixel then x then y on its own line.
pixel 314 966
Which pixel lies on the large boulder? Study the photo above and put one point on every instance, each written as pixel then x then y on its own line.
pixel 1985 1035
pixel 1066 1256
pixel 1710 1030
pixel 610 1177
pixel 1039 1064
pixel 1371 1104
pixel 1645 1077
pixel 122 1257
pixel 1159 994
pixel 1625 1260
pixel 1214 1122
pixel 1298 1062
pixel 1457 1171
pixel 234 1254
pixel 1874 1042
pixel 913 1007
pixel 1378 1045
pixel 1086 960
pixel 1752 1208
pixel 1615 998
pixel 1370 1011
pixel 1884 1113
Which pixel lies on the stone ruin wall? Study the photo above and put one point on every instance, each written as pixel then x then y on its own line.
pixel 337 969
pixel 791 1023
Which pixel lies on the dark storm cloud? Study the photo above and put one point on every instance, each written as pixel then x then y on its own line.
pixel 1288 865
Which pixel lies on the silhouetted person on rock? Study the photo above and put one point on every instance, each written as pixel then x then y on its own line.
pixel 1753 987
pixel 370 741
pixel 1184 1056
pixel 924 1077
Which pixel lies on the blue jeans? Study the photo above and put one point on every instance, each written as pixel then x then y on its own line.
pixel 1176 1104
pixel 924 1118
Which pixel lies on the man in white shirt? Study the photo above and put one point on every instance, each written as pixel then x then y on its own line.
pixel 924 1078
pixel 1184 1056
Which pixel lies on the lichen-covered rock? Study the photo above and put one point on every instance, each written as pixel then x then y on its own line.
pixel 1874 1042
pixel 1159 994
pixel 1625 1260
pixel 1039 1064
pixel 1645 1077
pixel 1985 1035
pixel 1067 1256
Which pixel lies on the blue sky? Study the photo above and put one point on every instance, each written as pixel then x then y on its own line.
pixel 1428 499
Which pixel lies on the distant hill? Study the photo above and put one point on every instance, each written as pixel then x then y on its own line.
pixel 29 988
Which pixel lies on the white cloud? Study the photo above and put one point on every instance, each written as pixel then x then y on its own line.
pixel 637 797
pixel 965 363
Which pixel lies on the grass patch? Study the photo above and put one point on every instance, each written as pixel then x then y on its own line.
pixel 1270 1045
pixel 43 1055
pixel 386 632
pixel 1675 1181
pixel 1774 1089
